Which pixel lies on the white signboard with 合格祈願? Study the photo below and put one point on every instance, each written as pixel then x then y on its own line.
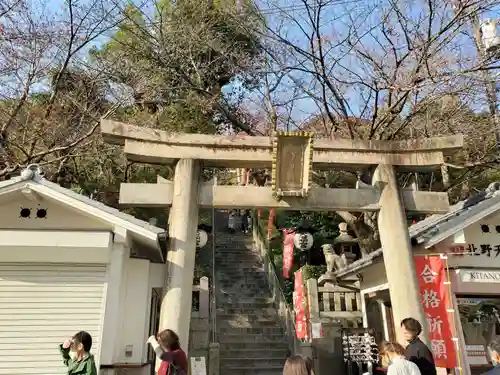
pixel 480 276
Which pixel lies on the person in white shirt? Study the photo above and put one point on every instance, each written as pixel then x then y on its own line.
pixel 393 356
pixel 231 219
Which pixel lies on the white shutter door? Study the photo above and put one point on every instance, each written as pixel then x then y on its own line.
pixel 40 306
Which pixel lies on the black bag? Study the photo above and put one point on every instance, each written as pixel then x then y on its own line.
pixel 174 370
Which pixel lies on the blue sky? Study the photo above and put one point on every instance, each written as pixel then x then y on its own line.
pixel 335 23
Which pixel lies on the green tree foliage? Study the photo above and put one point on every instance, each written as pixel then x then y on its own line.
pixel 176 62
pixel 169 65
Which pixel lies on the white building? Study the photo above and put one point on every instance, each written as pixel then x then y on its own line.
pixel 68 263
pixel 470 237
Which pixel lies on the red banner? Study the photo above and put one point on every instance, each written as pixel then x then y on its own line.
pixel 288 247
pixel 299 306
pixel 435 299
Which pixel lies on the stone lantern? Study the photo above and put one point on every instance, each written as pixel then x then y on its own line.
pixel 345 245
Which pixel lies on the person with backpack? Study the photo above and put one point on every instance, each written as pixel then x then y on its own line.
pixel 168 350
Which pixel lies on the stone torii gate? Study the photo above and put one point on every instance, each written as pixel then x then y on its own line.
pixel 292 157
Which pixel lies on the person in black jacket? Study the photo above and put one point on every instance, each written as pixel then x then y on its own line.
pixel 417 351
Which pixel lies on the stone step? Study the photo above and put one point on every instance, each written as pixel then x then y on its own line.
pixel 228 295
pixel 247 254
pixel 271 323
pixel 262 362
pixel 251 337
pixel 249 276
pixel 248 279
pixel 245 305
pixel 262 291
pixel 256 353
pixel 232 303
pixel 243 291
pixel 230 272
pixel 241 246
pixel 239 260
pixel 238 345
pixel 236 291
pixel 239 263
pixel 236 249
pixel 240 284
pixel 233 262
pixel 234 300
pixel 238 272
pixel 252 370
pixel 251 318
pixel 244 310
pixel 225 301
pixel 255 284
pixel 234 242
pixel 253 331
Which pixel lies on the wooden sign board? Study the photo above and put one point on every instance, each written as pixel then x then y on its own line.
pixel 292 164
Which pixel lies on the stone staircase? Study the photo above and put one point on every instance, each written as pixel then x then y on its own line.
pixel 251 338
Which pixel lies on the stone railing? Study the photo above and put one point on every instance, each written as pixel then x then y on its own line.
pixel 334 303
pixel 285 311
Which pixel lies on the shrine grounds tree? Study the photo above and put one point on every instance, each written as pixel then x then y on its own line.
pixel 381 69
pixel 176 60
pixel 50 99
pixel 155 64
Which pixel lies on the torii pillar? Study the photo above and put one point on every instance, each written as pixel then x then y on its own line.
pixel 175 311
pixel 398 253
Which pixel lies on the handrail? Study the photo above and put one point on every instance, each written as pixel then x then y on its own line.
pixel 285 311
pixel 213 299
